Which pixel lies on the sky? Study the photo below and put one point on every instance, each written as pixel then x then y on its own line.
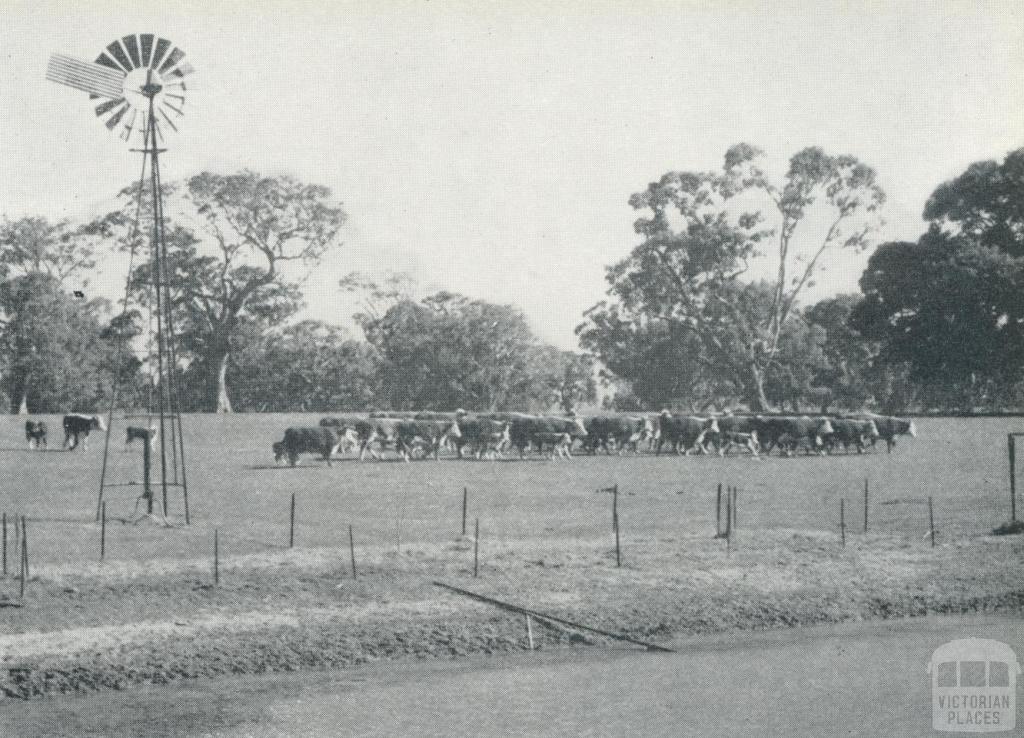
pixel 491 148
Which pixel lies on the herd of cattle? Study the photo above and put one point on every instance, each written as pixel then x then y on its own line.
pixel 492 435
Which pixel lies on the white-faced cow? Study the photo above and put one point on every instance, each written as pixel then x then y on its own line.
pixel 851 432
pixel 78 426
pixel 889 427
pixel 429 434
pixel 789 433
pixel 146 435
pixel 529 430
pixel 617 432
pixel 484 437
pixel 35 434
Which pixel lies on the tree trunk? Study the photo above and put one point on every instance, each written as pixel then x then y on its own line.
pixel 755 391
pixel 19 397
pixel 23 405
pixel 217 400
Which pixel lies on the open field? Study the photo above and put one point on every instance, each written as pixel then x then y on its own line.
pixel 149 613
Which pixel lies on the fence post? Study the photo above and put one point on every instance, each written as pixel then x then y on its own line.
pixel 842 520
pixel 615 509
pixel 291 524
pixel 529 631
pixel 735 507
pixel 216 558
pixel 865 504
pixel 5 543
pixel 476 549
pixel 931 521
pixel 718 512
pixel 465 501
pixel 352 550
pixel 24 555
pixel 1011 443
pixel 728 513
pixel 103 529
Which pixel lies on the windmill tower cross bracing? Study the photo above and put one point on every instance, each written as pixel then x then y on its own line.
pixel 139 84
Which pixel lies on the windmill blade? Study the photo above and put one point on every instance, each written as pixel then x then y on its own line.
pixel 116 118
pixel 146 42
pixel 179 111
pixel 127 134
pixel 162 45
pixel 172 60
pixel 173 127
pixel 183 69
pixel 107 62
pixel 132 45
pixel 118 53
pixel 106 107
pixel 82 75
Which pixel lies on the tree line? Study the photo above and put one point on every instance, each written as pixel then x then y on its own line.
pixel 692 318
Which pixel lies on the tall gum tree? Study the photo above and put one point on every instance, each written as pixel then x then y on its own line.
pixel 701 233
pixel 229 240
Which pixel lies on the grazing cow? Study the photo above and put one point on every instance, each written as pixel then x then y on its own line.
pixel 560 444
pixel 735 430
pixel 78 426
pixel 616 431
pixel 525 431
pixel 279 451
pixel 683 432
pixel 319 440
pixel 35 434
pixel 789 433
pixel 851 432
pixel 146 435
pixel 485 437
pixel 432 434
pixel 381 432
pixel 889 427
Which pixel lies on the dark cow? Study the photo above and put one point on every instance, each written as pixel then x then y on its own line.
pixel 319 440
pixel 78 426
pixel 528 430
pixel 279 451
pixel 735 430
pixel 35 434
pixel 683 433
pixel 889 427
pixel 431 434
pixel 616 431
pixel 146 435
pixel 851 432
pixel 789 433
pixel 483 436
pixel 559 443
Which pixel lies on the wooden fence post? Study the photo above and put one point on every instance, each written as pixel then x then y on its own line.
pixel 465 503
pixel 216 558
pixel 5 543
pixel 865 504
pixel 291 524
pixel 1011 447
pixel 931 521
pixel 24 555
pixel 476 549
pixel 842 520
pixel 352 550
pixel 615 509
pixel 735 507
pixel 718 512
pixel 103 529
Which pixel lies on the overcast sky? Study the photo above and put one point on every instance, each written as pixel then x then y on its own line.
pixel 491 149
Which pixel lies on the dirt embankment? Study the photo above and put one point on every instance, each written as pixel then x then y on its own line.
pixel 115 626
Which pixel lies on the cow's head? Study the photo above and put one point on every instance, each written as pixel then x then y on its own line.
pixel 825 427
pixel 578 427
pixel 711 425
pixel 453 431
pixel 870 429
pixel 910 429
pixel 279 452
pixel 96 423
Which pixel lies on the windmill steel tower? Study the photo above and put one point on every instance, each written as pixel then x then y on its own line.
pixel 141 82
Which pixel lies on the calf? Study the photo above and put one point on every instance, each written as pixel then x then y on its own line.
pixel 146 435
pixel 35 434
pixel 78 426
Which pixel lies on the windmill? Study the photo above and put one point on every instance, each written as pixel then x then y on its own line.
pixel 139 81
